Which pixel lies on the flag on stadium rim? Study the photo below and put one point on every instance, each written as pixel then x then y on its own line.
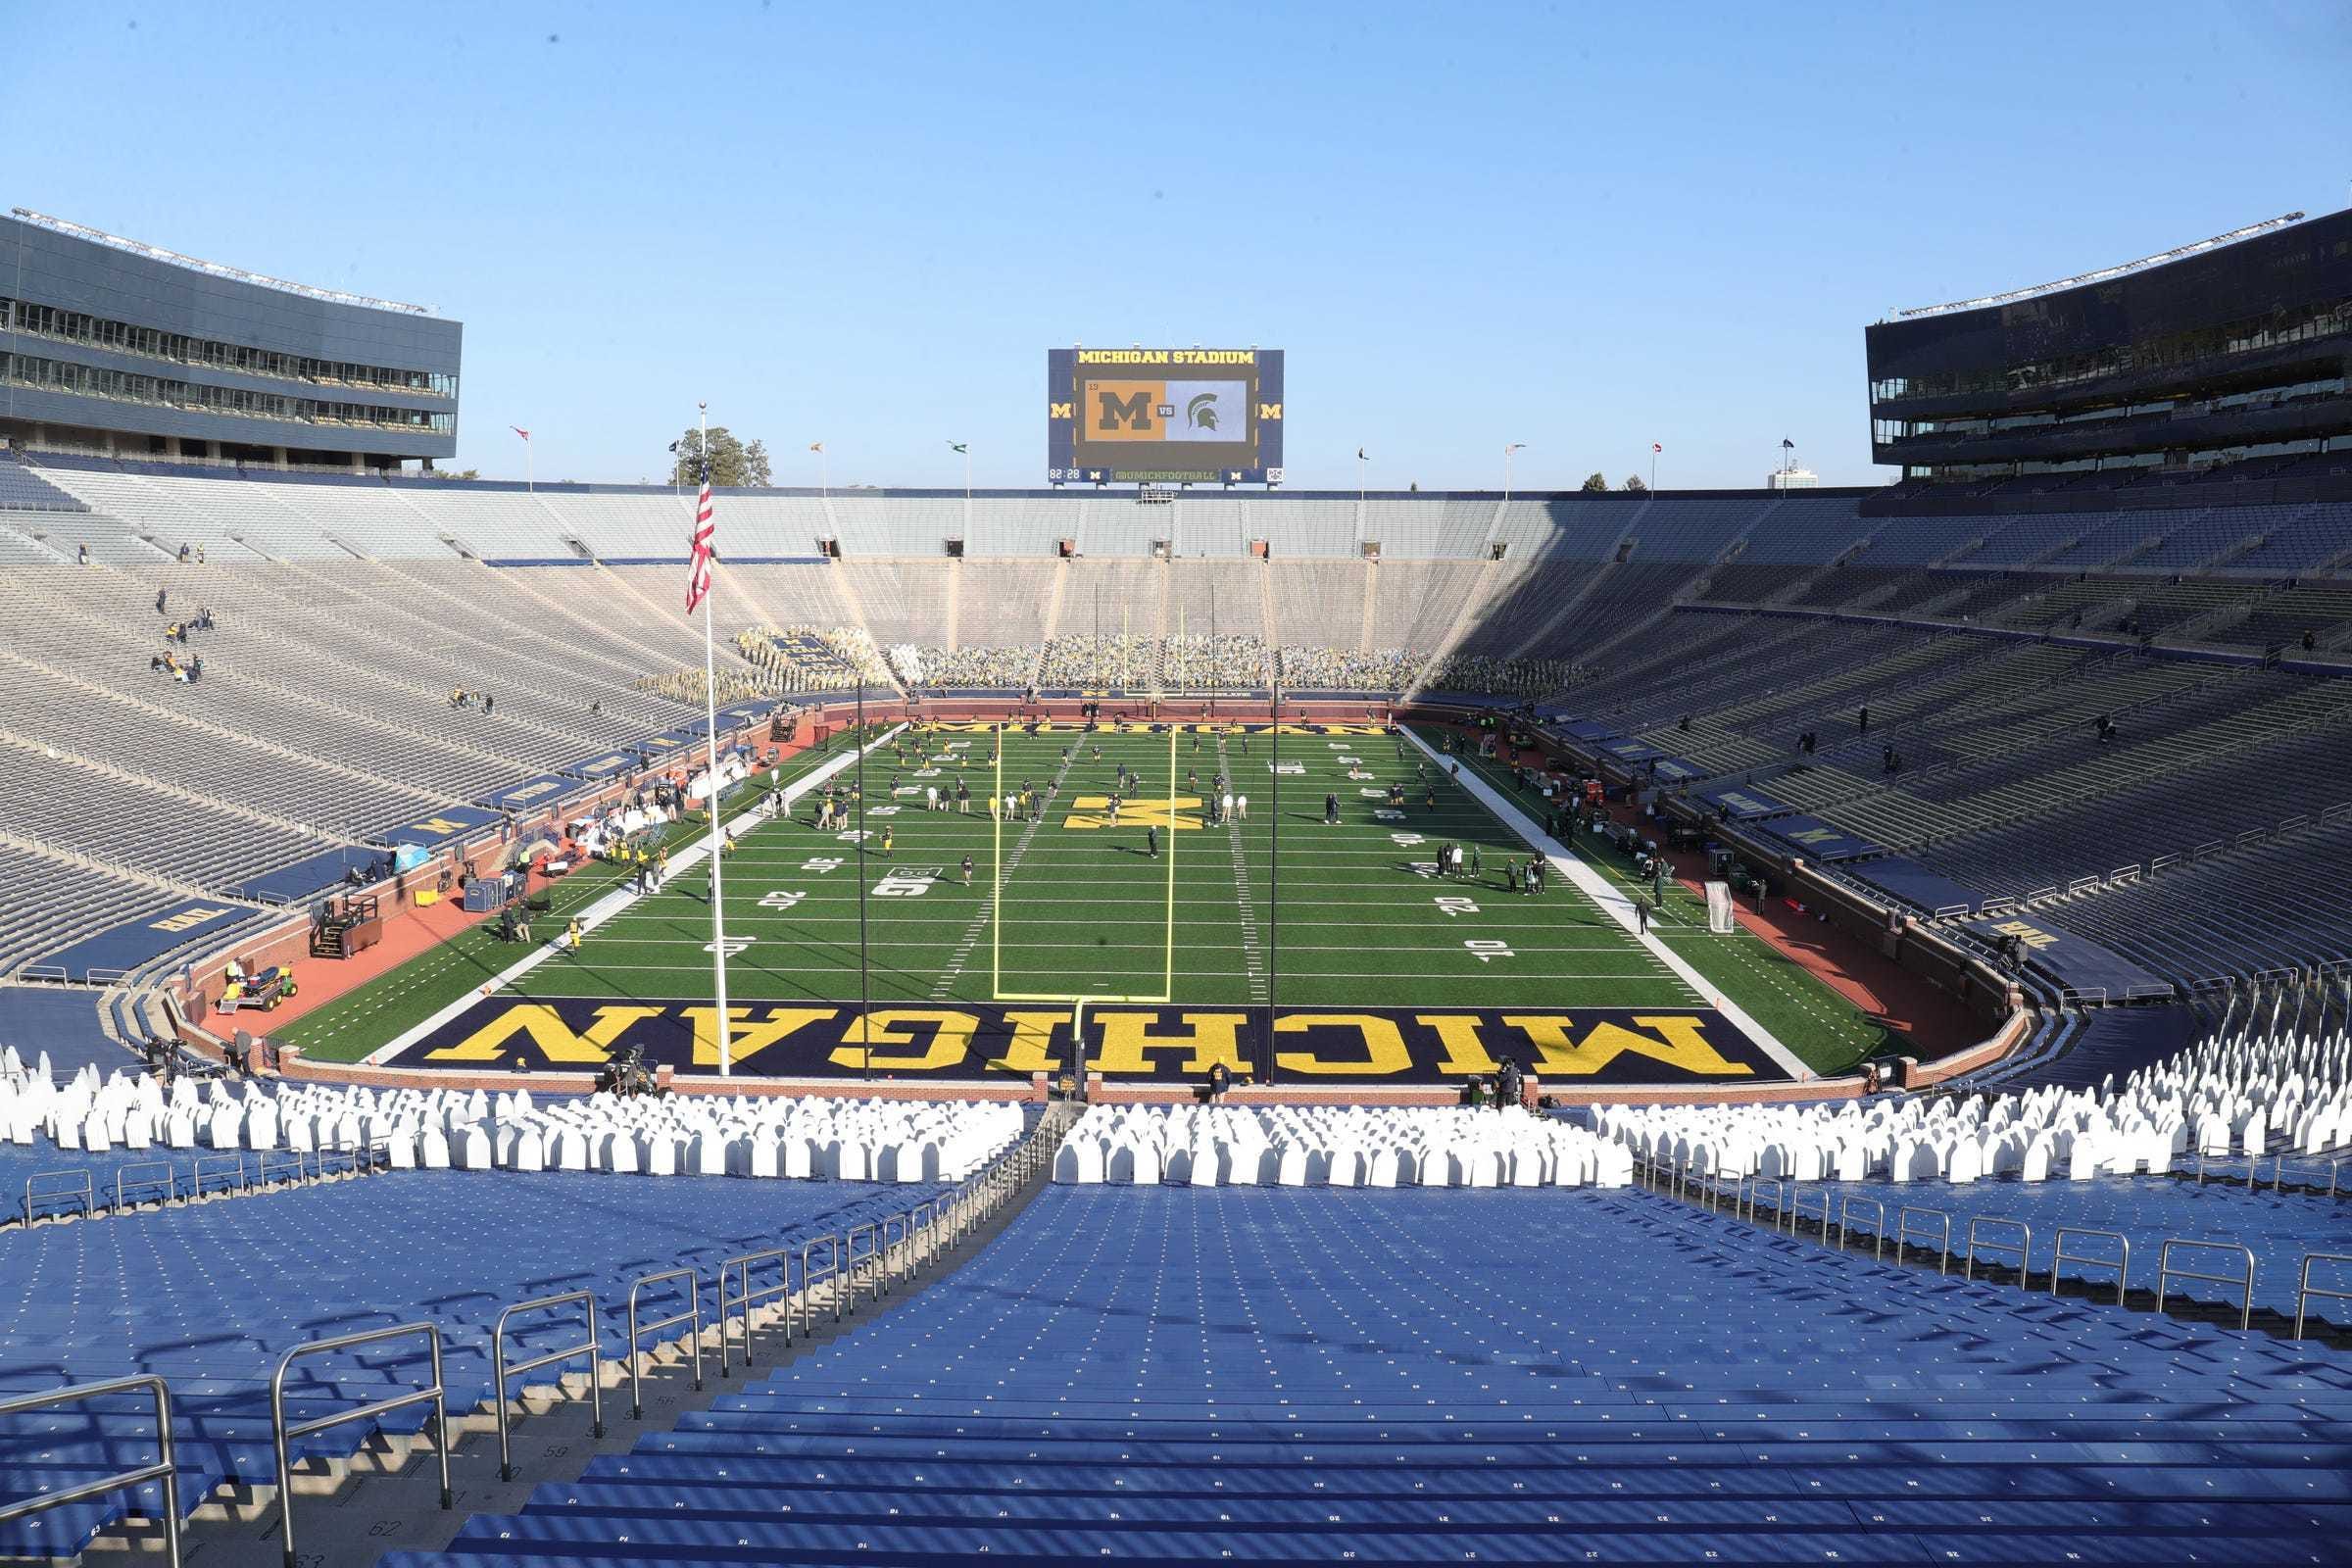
pixel 816 446
pixel 1654 447
pixel 520 431
pixel 959 446
pixel 697 565
pixel 1359 454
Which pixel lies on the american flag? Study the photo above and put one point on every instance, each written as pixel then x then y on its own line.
pixel 697 565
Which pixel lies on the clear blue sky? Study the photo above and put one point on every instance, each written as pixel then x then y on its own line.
pixel 1583 228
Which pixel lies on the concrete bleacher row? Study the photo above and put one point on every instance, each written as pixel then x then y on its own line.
pixel 2007 789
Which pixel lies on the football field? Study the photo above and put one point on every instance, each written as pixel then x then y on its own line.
pixel 1269 905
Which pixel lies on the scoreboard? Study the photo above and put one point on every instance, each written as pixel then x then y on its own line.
pixel 1163 415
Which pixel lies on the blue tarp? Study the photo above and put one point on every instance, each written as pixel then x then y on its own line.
pixel 290 884
pixel 604 764
pixel 1588 729
pixel 2074 961
pixel 1632 751
pixel 1743 804
pixel 64 1023
pixel 1816 840
pixel 1915 884
pixel 530 794
pixel 136 942
pixel 450 822
pixel 675 740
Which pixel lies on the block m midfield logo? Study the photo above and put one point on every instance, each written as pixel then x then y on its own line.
pixel 1166 410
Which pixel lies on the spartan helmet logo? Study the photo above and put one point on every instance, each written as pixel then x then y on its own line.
pixel 1201 413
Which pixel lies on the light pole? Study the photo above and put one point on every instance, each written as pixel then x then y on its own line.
pixel 1515 446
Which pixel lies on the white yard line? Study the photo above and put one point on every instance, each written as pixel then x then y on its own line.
pixel 1617 907
pixel 987 911
pixel 620 899
pixel 1243 896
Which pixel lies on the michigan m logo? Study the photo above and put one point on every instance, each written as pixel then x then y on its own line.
pixel 1094 812
pixel 1132 410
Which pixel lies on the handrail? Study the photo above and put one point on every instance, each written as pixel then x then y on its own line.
pixel 272 1164
pixel 216 1163
pixel 1943 1241
pixel 1846 1228
pixel 2166 1273
pixel 170 1181
pixel 89 1203
pixel 165 1469
pixel 864 1267
pixel 1797 1211
pixel 2120 1262
pixel 1779 1197
pixel 892 1252
pixel 747 1296
pixel 281 1434
pixel 501 1371
pixel 810 1276
pixel 693 1314
pixel 2305 1289
pixel 2022 1248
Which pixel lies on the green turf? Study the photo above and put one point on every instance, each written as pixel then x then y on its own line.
pixel 1827 1032
pixel 1086 910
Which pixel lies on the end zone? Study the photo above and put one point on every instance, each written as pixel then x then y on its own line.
pixel 1158 1044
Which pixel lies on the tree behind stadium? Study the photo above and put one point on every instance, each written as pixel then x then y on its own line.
pixel 734 466
pixel 1594 482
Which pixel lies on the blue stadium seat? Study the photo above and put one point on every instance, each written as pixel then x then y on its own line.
pixel 1301 1376
pixel 213 1297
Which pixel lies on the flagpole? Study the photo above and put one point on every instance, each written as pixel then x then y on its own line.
pixel 865 967
pixel 1274 877
pixel 719 900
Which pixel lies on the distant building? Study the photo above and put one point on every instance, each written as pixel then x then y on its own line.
pixel 113 347
pixel 1791 479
